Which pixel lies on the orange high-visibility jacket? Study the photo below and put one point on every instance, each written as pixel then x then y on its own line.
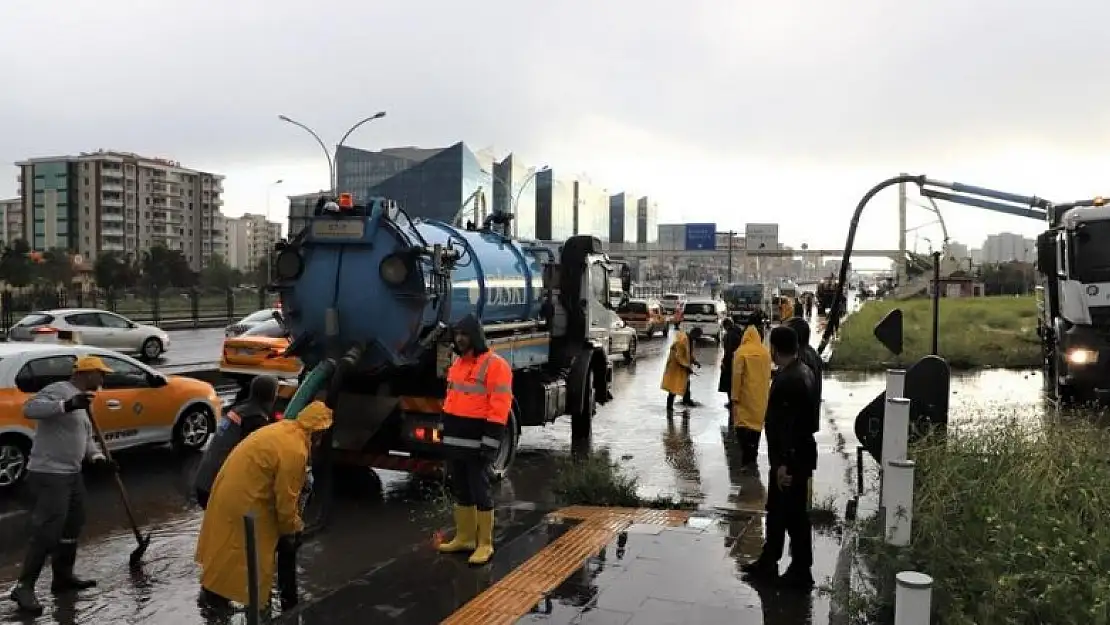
pixel 479 399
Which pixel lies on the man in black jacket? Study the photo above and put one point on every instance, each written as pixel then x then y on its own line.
pixel 810 358
pixel 733 333
pixel 793 455
pixel 242 419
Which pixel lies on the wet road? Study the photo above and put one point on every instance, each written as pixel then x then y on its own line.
pixel 392 520
pixel 192 349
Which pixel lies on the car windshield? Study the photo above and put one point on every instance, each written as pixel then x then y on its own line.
pixel 35 319
pixel 1091 256
pixel 670 298
pixel 269 329
pixel 699 309
pixel 258 317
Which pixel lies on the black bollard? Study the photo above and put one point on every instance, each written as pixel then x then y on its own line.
pixel 253 611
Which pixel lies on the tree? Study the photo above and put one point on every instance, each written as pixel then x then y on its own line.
pixel 56 267
pixel 114 271
pixel 163 267
pixel 260 273
pixel 16 267
pixel 218 275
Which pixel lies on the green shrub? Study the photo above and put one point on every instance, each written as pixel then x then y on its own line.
pixel 1010 520
pixel 974 332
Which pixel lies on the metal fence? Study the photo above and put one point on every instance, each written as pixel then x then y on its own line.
pixel 657 290
pixel 171 308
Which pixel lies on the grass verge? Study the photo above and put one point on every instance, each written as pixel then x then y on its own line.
pixel 596 480
pixel 1009 520
pixel 974 333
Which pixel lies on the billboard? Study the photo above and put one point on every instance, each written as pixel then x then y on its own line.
pixel 701 236
pixel 761 236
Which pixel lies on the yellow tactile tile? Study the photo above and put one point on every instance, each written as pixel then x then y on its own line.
pixel 517 593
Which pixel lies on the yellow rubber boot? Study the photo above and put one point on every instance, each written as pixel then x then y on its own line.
pixel 484 551
pixel 465 526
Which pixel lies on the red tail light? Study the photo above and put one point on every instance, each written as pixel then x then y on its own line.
pixel 278 416
pixel 44 330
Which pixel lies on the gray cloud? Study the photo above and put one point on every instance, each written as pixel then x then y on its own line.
pixel 855 81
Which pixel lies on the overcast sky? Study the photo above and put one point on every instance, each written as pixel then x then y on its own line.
pixel 725 110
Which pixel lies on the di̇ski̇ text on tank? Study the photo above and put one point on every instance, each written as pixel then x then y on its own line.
pixel 369 296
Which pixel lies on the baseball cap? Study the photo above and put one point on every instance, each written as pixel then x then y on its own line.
pixel 90 363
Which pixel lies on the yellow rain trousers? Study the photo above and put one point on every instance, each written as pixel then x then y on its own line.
pixel 262 476
pixel 676 375
pixel 751 382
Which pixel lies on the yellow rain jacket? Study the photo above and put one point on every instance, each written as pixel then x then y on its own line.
pixel 263 475
pixel 676 375
pixel 751 382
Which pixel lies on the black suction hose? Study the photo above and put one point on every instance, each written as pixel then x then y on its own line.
pixel 835 311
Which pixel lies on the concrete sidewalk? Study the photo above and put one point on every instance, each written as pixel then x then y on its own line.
pixel 584 565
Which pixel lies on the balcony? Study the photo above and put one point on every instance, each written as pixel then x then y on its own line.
pixel 111 185
pixel 111 216
pixel 111 245
pixel 111 200
pixel 109 229
pixel 159 189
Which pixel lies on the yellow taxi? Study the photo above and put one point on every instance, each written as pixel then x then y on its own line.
pixel 137 405
pixel 259 351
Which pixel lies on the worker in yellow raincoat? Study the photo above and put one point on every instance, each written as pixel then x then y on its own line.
pixel 751 387
pixel 262 476
pixel 680 365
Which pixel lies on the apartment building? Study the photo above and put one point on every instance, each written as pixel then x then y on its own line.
pixel 250 239
pixel 106 201
pixel 11 220
pixel 1007 247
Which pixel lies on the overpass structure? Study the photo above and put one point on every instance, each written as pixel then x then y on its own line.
pixel 645 251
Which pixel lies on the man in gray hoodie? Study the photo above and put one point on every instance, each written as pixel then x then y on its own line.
pixel 63 440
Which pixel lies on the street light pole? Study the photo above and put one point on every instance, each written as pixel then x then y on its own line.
pixel 266 224
pixel 333 180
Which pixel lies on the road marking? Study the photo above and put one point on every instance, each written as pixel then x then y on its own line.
pixel 514 595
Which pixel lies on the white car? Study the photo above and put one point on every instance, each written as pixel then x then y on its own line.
pixel 98 328
pixel 707 314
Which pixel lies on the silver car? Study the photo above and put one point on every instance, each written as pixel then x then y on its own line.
pixel 98 328
pixel 246 323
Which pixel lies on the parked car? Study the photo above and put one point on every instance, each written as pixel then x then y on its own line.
pixel 645 316
pixel 707 314
pixel 250 321
pixel 98 328
pixel 259 351
pixel 622 338
pixel 137 406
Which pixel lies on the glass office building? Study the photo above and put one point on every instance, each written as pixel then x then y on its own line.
pixel 554 207
pixel 591 209
pixel 514 190
pixel 647 219
pixel 432 184
pixel 622 218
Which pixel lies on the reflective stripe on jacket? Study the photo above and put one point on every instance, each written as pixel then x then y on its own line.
pixel 479 399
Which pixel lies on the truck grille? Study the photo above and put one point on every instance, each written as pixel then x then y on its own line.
pixel 1100 316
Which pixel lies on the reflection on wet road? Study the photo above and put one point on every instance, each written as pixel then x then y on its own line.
pixel 392 520
pixel 191 348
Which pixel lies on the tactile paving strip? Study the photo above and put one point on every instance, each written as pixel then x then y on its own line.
pixel 517 593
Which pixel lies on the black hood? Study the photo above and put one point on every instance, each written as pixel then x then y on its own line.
pixel 472 328
pixel 801 328
pixel 263 389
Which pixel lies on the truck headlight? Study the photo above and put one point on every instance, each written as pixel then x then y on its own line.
pixel 1082 356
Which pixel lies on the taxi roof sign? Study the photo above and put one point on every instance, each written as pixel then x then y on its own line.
pixel 346 200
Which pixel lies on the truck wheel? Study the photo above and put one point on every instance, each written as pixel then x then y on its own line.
pixel 506 454
pixel 630 355
pixel 581 420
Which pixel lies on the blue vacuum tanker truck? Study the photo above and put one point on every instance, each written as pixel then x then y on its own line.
pixel 369 296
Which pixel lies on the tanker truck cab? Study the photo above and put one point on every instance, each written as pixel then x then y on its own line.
pixel 1074 260
pixel 370 294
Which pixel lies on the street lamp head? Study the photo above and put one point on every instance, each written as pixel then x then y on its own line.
pixel 284 118
pixel 378 115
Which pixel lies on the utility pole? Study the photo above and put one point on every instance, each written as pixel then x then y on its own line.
pixel 900 268
pixel 731 236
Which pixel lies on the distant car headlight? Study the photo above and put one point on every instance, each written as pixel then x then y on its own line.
pixel 394 270
pixel 1082 356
